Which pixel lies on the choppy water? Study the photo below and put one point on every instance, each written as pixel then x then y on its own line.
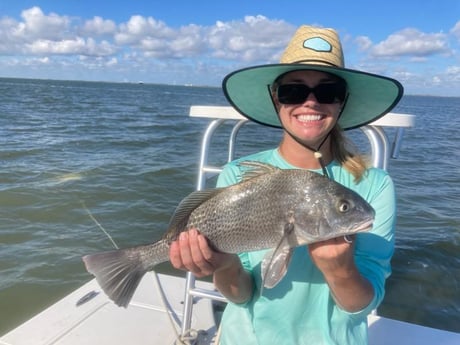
pixel 128 153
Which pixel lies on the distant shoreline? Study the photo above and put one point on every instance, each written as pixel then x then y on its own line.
pixel 159 84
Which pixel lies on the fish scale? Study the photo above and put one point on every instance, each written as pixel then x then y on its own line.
pixel 239 223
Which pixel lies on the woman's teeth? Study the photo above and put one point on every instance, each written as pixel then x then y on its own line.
pixel 306 118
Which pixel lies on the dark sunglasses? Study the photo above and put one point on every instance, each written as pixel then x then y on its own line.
pixel 326 93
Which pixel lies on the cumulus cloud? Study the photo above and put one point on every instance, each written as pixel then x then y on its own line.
pixel 256 38
pixel 363 42
pixel 99 26
pixel 40 34
pixel 42 46
pixel 144 44
pixel 38 25
pixel 412 42
pixel 138 29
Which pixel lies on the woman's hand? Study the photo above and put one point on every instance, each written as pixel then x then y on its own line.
pixel 334 256
pixel 335 259
pixel 193 253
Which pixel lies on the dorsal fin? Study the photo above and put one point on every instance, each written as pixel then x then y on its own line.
pixel 252 169
pixel 182 213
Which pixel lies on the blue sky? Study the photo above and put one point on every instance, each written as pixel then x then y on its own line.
pixel 199 42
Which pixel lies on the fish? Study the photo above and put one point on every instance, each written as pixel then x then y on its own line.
pixel 270 208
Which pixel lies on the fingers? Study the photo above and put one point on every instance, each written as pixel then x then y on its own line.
pixel 191 252
pixel 174 255
pixel 334 255
pixel 205 250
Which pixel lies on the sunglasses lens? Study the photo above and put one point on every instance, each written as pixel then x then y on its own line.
pixel 330 92
pixel 326 93
pixel 293 93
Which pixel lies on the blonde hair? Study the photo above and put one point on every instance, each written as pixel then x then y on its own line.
pixel 345 153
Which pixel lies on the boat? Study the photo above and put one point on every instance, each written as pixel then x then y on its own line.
pixel 168 309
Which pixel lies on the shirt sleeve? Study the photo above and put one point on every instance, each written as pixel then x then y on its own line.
pixel 230 175
pixel 375 248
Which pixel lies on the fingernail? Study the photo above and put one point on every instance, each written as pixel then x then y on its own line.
pixel 183 236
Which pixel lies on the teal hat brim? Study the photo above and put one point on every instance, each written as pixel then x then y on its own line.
pixel 370 96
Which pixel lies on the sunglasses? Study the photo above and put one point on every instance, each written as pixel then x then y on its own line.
pixel 326 93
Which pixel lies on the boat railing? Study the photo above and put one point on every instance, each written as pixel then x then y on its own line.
pixel 381 151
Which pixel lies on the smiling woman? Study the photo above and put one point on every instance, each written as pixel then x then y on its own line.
pixel 330 286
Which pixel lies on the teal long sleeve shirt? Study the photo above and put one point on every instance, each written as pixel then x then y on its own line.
pixel 300 309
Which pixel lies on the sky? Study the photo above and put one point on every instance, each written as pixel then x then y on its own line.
pixel 195 42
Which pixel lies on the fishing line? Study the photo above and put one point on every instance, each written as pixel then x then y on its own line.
pixel 185 339
pixel 98 224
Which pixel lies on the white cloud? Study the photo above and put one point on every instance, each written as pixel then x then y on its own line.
pixel 145 46
pixel 138 29
pixel 456 30
pixel 188 42
pixel 255 39
pixel 75 46
pixel 38 25
pixel 453 73
pixel 99 27
pixel 363 42
pixel 40 34
pixel 436 80
pixel 43 46
pixel 411 42
pixel 112 62
pixel 184 42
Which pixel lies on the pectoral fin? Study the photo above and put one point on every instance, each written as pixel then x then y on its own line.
pixel 276 261
pixel 274 265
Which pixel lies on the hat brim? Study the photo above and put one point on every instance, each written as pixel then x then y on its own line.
pixel 370 96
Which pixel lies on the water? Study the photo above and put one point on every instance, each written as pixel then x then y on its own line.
pixel 127 153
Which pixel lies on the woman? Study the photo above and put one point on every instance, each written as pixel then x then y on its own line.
pixel 330 287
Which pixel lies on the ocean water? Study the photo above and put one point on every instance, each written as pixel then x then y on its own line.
pixel 126 154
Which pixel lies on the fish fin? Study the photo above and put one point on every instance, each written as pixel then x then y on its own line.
pixel 118 273
pixel 276 261
pixel 274 265
pixel 182 213
pixel 252 169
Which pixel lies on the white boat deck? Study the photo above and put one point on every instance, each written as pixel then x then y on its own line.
pixel 100 322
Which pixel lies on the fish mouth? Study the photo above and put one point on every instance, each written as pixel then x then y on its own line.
pixel 367 225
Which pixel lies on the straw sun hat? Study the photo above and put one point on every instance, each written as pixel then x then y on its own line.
pixel 370 96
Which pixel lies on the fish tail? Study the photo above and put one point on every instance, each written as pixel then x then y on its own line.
pixel 118 273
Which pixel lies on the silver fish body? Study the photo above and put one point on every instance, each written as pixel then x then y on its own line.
pixel 269 208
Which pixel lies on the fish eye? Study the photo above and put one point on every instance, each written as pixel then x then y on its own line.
pixel 344 206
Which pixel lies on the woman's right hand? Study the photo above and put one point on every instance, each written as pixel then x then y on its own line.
pixel 192 252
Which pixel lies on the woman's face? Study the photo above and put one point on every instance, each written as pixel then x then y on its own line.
pixel 308 119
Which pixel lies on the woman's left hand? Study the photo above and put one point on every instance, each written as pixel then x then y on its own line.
pixel 335 259
pixel 334 256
